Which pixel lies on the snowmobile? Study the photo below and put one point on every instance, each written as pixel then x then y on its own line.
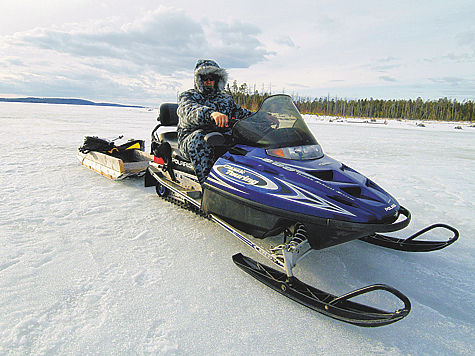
pixel 273 180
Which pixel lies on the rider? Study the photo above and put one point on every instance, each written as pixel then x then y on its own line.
pixel 205 110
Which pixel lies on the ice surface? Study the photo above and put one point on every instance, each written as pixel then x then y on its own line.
pixel 90 266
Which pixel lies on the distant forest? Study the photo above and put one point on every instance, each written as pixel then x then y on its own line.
pixel 438 110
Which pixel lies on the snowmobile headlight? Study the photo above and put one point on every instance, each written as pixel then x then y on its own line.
pixel 297 152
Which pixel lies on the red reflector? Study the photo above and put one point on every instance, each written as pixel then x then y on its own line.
pixel 158 160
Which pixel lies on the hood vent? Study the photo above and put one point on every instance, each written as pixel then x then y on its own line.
pixel 357 192
pixel 353 191
pixel 342 200
pixel 323 175
pixel 371 184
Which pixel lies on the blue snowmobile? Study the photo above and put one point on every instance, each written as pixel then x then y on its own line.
pixel 272 180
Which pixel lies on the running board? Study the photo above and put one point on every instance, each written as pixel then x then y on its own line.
pixel 410 244
pixel 340 308
pixel 154 176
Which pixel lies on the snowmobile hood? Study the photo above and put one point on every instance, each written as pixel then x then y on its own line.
pixel 323 187
pixel 208 66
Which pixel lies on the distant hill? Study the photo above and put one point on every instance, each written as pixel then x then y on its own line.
pixel 63 101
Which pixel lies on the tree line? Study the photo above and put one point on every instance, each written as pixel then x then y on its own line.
pixel 438 110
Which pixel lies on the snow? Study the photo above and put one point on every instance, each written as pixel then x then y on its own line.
pixel 89 266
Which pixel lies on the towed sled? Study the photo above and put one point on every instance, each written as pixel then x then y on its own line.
pixel 114 162
pixel 274 181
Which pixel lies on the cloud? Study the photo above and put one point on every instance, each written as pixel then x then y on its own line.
pixel 9 61
pixel 385 68
pixel 451 56
pixel 154 53
pixel 466 38
pixel 386 64
pixel 151 55
pixel 298 86
pixel 464 57
pixel 143 89
pixel 165 40
pixel 454 81
pixel 387 78
pixel 235 44
pixel 463 39
pixel 388 59
pixel 459 87
pixel 286 41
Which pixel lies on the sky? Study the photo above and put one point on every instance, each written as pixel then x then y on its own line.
pixel 143 52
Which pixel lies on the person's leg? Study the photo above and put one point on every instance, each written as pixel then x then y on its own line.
pixel 200 153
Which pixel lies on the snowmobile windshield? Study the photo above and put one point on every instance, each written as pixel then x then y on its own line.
pixel 277 124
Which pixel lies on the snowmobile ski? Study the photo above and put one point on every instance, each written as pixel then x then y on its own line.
pixel 410 244
pixel 340 308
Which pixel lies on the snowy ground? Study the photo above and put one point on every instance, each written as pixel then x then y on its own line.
pixel 89 266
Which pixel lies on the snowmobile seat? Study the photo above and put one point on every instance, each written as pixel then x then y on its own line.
pixel 171 137
pixel 168 115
